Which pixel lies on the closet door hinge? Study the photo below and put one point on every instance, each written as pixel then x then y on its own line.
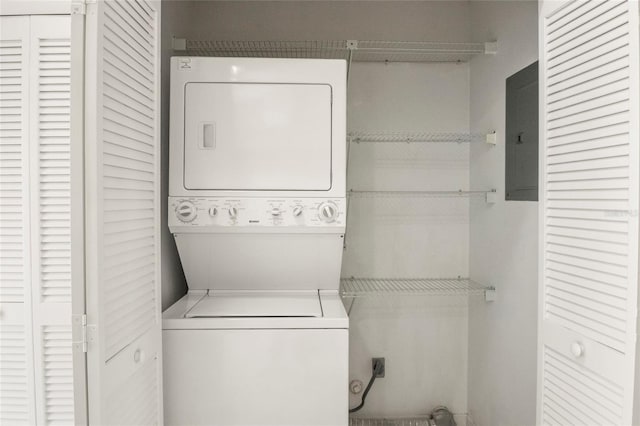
pixel 82 333
pixel 79 332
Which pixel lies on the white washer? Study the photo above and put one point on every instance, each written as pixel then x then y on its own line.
pixel 265 358
pixel 257 208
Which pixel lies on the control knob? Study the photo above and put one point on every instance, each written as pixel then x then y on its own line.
pixel 213 211
pixel 186 211
pixel 297 211
pixel 328 212
pixel 233 212
pixel 275 212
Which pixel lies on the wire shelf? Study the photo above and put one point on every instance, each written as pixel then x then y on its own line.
pixel 417 421
pixel 404 421
pixel 372 287
pixel 415 51
pixel 268 49
pixel 412 137
pixel 417 194
pixel 357 50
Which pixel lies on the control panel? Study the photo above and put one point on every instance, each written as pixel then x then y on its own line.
pixel 256 212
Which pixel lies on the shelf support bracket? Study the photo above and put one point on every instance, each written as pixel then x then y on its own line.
pixel 490 47
pixel 491 197
pixel 490 294
pixel 178 43
pixel 491 138
pixel 353 301
pixel 351 46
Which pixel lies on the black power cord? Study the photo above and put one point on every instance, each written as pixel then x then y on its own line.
pixel 377 369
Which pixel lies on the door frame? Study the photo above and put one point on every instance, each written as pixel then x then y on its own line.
pixel 78 277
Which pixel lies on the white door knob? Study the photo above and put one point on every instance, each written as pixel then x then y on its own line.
pixel 577 350
pixel 233 212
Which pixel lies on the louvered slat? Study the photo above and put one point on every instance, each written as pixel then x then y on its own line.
pixel 58 375
pixel 128 173
pixel 14 402
pixel 54 169
pixel 50 133
pixel 13 167
pixel 577 395
pixel 136 406
pixel 599 141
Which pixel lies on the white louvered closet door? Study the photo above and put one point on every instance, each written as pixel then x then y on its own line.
pixel 36 373
pixel 49 124
pixel 589 168
pixel 123 212
pixel 17 394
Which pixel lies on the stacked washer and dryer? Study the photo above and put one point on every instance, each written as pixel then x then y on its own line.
pixel 257 208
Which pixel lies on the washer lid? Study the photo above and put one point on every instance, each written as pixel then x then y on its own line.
pixel 251 304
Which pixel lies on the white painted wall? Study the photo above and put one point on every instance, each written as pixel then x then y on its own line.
pixel 324 20
pixel 408 237
pixel 424 340
pixel 503 245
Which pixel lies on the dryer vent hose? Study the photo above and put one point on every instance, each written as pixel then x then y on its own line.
pixel 377 369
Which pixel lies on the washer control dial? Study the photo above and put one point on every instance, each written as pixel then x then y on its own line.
pixel 297 210
pixel 233 212
pixel 186 211
pixel 276 212
pixel 328 212
pixel 213 211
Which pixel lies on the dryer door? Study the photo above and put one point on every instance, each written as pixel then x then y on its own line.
pixel 254 136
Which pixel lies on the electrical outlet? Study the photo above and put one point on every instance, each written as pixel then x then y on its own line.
pixel 375 361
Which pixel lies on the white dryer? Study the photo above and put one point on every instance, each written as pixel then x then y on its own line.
pixel 257 208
